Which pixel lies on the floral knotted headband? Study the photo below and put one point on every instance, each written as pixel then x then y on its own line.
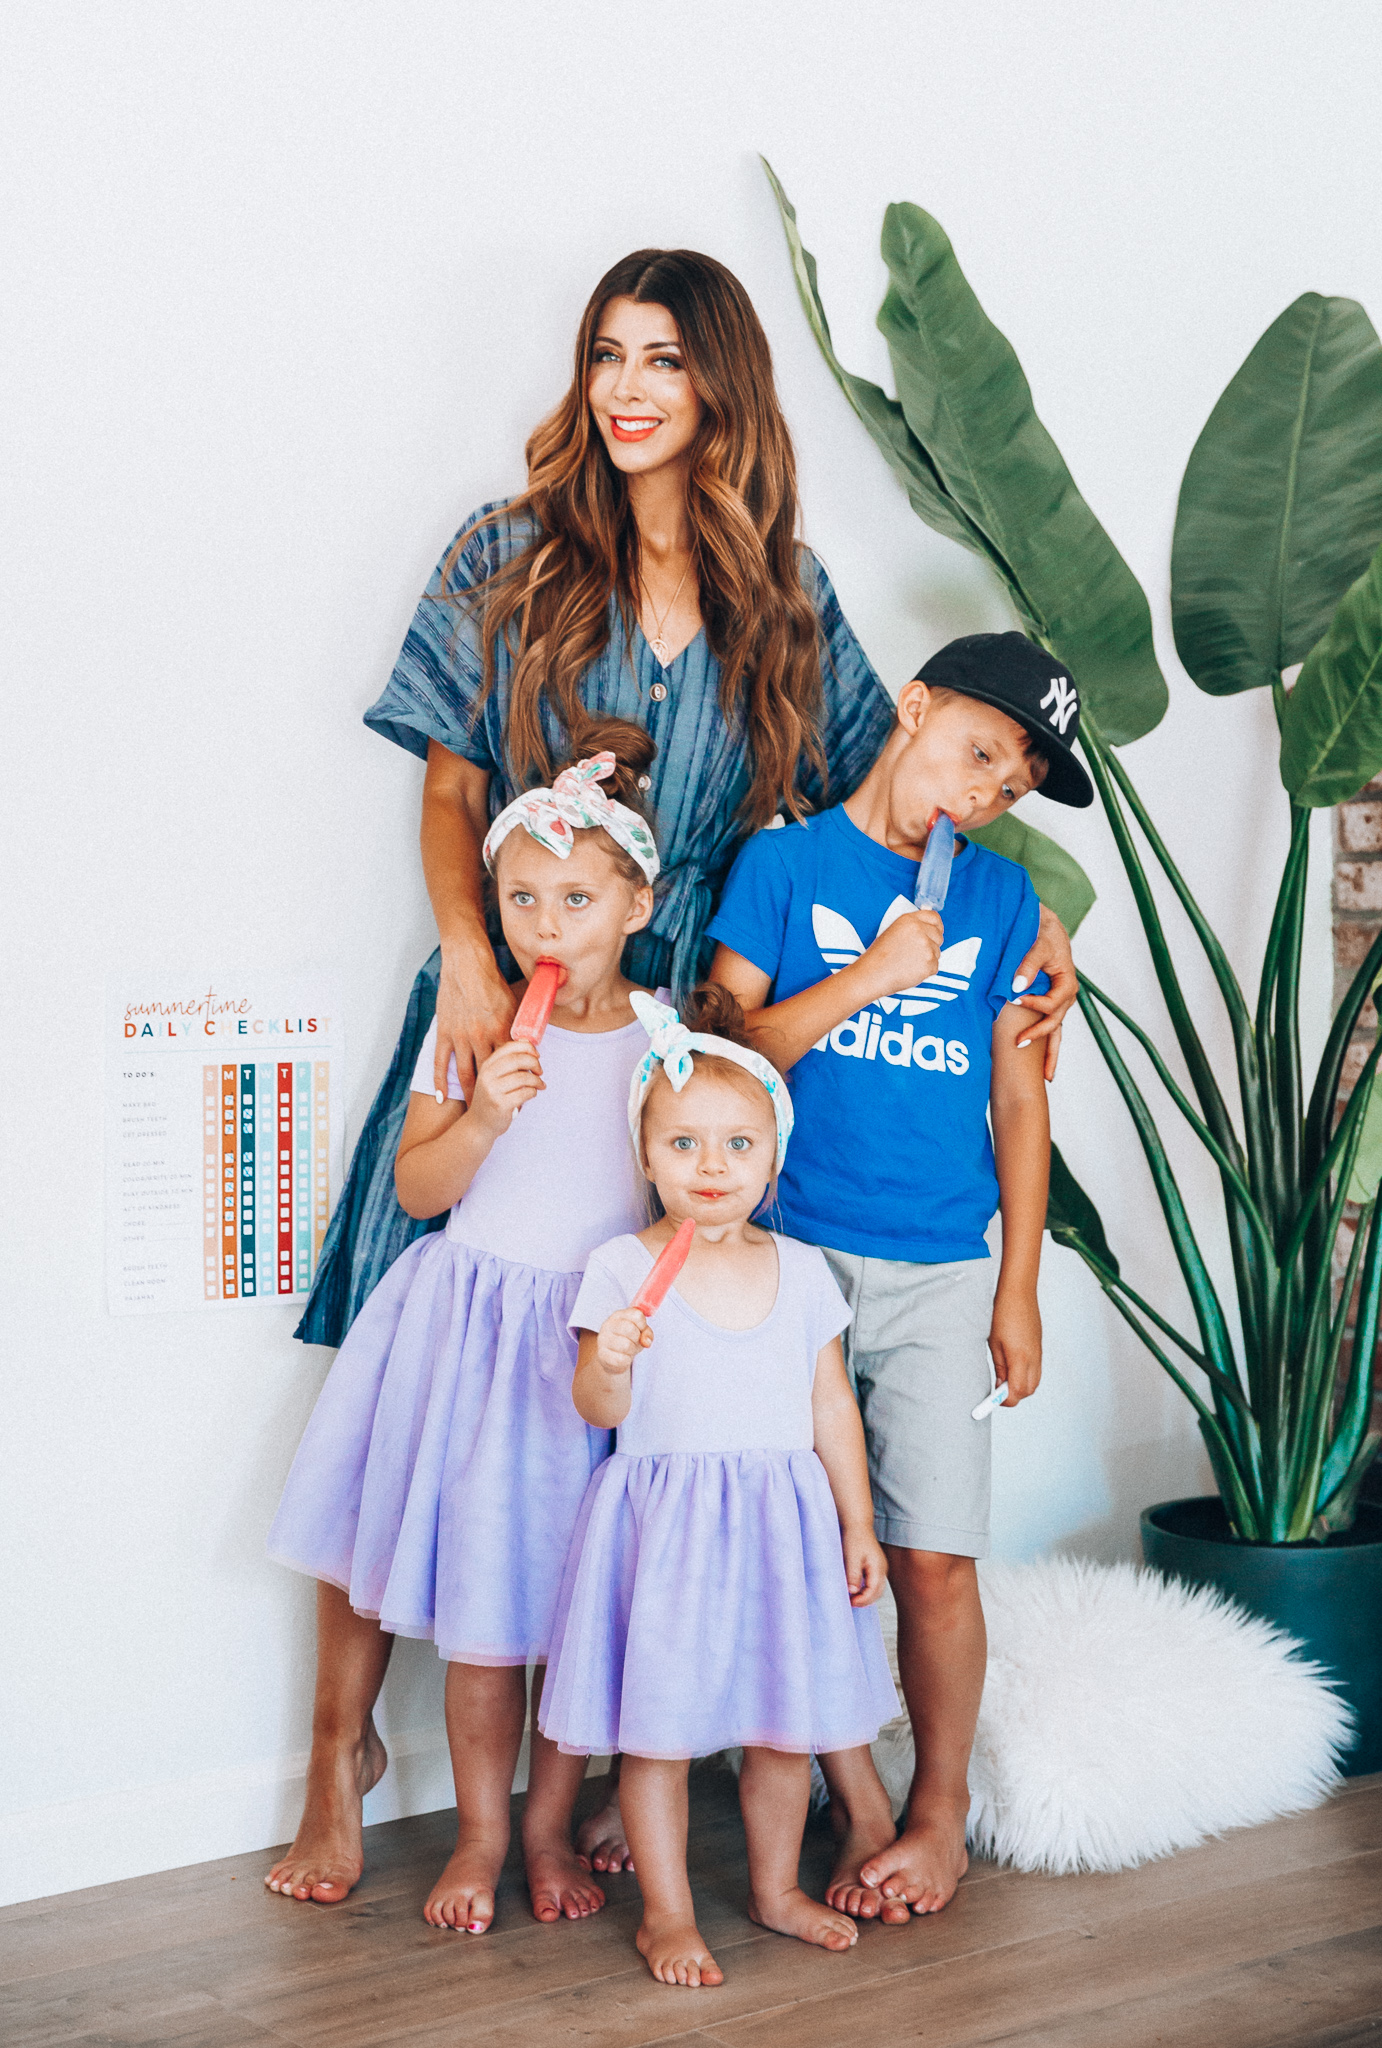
pixel 671 1048
pixel 575 803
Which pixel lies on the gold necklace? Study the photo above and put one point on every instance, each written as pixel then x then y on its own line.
pixel 657 642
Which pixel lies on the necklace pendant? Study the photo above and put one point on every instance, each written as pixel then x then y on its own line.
pixel 659 647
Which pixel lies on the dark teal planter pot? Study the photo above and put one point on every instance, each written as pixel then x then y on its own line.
pixel 1329 1596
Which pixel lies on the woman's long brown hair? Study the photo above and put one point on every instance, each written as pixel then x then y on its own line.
pixel 551 602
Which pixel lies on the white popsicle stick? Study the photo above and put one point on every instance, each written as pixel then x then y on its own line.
pixel 995 1400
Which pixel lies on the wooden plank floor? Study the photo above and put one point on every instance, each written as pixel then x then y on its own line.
pixel 1271 1936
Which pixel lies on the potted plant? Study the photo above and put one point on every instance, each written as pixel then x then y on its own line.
pixel 1276 561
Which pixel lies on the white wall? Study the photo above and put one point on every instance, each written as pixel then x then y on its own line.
pixel 289 283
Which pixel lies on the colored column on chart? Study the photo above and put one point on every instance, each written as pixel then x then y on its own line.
pixel 302 1174
pixel 321 1155
pixel 230 1171
pixel 248 1193
pixel 265 1177
pixel 284 1203
pixel 211 1182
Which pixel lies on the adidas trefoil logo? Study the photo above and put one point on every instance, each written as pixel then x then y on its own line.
pixel 840 944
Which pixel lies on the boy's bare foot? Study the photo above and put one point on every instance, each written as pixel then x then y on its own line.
pixel 861 1835
pixel 559 1884
pixel 927 1860
pixel 675 1953
pixel 601 1843
pixel 463 1896
pixel 328 1855
pixel 796 1912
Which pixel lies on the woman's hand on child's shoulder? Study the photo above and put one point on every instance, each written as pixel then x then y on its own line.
pixel 866 1568
pixel 622 1336
pixel 506 1080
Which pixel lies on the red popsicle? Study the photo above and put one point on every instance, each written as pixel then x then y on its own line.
pixel 665 1269
pixel 535 1010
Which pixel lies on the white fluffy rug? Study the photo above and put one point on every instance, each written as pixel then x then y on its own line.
pixel 1126 1715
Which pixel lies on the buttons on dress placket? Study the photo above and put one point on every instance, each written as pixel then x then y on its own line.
pixel 658 692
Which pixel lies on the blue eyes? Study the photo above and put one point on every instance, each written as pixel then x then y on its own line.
pixel 740 1144
pixel 683 1144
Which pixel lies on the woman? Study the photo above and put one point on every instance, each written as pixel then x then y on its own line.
pixel 651 571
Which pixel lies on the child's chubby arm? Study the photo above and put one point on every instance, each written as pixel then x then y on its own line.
pixel 839 1433
pixel 1022 1151
pixel 603 1386
pixel 444 1144
pixel 906 953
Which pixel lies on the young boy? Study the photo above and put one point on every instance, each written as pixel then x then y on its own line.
pixel 905 1046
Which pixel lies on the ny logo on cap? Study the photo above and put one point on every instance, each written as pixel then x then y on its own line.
pixel 1062 695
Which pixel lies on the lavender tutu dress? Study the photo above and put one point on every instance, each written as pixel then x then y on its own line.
pixel 441 1474
pixel 705 1603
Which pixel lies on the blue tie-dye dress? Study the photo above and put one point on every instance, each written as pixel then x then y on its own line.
pixel 700 777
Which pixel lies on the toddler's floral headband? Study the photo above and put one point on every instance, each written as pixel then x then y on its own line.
pixel 574 803
pixel 671 1048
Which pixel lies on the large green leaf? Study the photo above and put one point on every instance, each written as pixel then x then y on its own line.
pixel 1281 505
pixel 1020 508
pixel 1059 880
pixel 1073 1220
pixel 880 414
pixel 1331 730
pixel 967 402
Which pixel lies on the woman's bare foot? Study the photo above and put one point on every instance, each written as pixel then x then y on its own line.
pixel 559 1884
pixel 860 1835
pixel 675 1953
pixel 463 1896
pixel 795 1912
pixel 328 1855
pixel 926 1862
pixel 601 1843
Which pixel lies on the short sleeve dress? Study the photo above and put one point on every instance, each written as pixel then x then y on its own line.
pixel 704 1602
pixel 699 779
pixel 440 1475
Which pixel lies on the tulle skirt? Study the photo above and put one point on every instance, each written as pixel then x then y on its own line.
pixel 441 1475
pixel 705 1605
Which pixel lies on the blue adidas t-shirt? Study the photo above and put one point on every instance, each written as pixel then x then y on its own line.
pixel 891 1156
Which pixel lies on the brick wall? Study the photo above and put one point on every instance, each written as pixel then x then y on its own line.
pixel 1357 920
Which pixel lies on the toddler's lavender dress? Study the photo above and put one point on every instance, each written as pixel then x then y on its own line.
pixel 705 1602
pixel 439 1479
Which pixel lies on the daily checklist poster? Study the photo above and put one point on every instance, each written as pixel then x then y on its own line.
pixel 225 1137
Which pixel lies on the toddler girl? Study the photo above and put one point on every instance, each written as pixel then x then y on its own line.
pixel 439 1480
pixel 719 1553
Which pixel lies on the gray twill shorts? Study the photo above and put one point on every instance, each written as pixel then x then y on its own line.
pixel 917 1352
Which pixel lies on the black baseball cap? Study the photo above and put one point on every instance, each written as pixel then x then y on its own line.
pixel 1012 673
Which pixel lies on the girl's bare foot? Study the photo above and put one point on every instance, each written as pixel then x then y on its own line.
pixel 463 1896
pixel 327 1856
pixel 926 1862
pixel 675 1953
pixel 601 1843
pixel 795 1912
pixel 559 1884
pixel 860 1835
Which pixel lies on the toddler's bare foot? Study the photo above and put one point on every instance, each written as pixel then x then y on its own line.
pixel 675 1953
pixel 463 1896
pixel 860 1835
pixel 559 1884
pixel 601 1843
pixel 795 1912
pixel 327 1856
pixel 927 1860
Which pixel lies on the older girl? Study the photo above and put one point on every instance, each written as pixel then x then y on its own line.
pixel 438 1482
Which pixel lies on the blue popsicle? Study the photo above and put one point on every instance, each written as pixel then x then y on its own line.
pixel 933 876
